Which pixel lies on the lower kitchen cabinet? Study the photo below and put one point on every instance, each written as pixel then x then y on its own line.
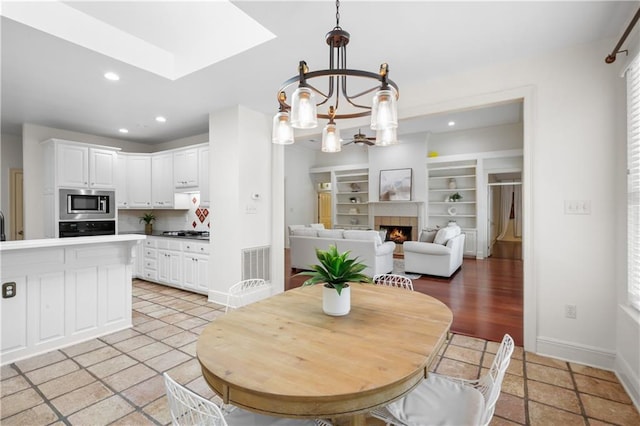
pixel 175 262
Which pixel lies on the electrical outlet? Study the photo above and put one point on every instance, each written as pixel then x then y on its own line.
pixel 8 290
pixel 570 311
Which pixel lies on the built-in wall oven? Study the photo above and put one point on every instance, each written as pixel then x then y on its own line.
pixel 86 228
pixel 87 204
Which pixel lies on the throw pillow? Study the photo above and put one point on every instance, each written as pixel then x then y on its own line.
pixel 445 234
pixel 292 227
pixel 317 225
pixel 383 234
pixel 427 235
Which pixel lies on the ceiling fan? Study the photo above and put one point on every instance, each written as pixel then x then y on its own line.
pixel 360 139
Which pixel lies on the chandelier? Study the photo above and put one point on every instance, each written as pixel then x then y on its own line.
pixel 308 103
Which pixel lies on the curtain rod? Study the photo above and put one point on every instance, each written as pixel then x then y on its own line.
pixel 611 58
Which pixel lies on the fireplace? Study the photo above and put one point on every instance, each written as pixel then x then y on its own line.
pixel 397 233
pixel 399 229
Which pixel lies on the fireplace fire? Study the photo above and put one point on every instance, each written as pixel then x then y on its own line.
pixel 397 234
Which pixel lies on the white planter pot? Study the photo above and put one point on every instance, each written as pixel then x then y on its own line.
pixel 335 304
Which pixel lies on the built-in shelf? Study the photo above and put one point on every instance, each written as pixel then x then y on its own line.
pixel 351 198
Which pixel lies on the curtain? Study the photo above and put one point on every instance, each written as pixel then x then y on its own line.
pixel 517 209
pixel 505 209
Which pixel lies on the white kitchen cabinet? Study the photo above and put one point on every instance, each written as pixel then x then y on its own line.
pixel 139 181
pixel 185 171
pixel 177 262
pixel 196 266
pixel 150 260
pixel 170 267
pixel 196 272
pixel 203 171
pixel 72 165
pixel 82 166
pixel 161 181
pixel 102 168
pixel 122 185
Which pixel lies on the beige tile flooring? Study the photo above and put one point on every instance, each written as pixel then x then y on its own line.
pixel 117 379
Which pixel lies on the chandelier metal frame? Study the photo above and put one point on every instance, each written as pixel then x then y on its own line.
pixel 337 39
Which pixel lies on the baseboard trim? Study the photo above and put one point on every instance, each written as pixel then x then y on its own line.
pixel 629 380
pixel 572 352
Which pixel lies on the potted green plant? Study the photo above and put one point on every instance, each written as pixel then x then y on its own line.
pixel 335 271
pixel 148 219
pixel 455 197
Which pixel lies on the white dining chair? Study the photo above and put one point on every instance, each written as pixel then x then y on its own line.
pixel 442 400
pixel 393 280
pixel 239 293
pixel 189 408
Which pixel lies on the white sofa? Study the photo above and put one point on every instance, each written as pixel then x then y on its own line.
pixel 442 256
pixel 366 245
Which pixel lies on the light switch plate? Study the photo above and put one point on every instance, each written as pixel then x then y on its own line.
pixel 577 207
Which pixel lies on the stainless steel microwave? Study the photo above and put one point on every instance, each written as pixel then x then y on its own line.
pixel 87 204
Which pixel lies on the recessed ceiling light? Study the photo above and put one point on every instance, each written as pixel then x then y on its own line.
pixel 451 123
pixel 111 76
pixel 160 119
pixel 123 130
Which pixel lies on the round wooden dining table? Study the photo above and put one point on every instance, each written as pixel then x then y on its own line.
pixel 283 356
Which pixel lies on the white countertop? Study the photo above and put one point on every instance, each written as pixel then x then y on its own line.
pixel 64 242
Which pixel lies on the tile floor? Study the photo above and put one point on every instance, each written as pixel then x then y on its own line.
pixel 117 379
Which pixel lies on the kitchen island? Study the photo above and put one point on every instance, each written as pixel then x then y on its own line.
pixel 60 291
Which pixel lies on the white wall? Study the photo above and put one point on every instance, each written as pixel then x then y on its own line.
pixel 300 193
pixel 182 142
pixel 11 158
pixel 494 138
pixel 239 165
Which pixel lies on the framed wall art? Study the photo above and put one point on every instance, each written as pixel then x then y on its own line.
pixel 395 185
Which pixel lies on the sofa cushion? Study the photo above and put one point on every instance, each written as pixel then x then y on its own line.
pixel 427 235
pixel 362 235
pixel 330 233
pixel 305 232
pixel 317 225
pixel 446 233
pixel 425 248
pixel 292 227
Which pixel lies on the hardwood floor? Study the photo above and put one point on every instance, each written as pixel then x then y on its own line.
pixel 485 296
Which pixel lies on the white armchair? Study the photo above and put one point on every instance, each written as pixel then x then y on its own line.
pixel 434 258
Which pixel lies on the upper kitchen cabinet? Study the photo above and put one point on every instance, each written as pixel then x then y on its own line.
pixel 185 168
pixel 139 181
pixel 162 166
pixel 203 171
pixel 122 187
pixel 79 165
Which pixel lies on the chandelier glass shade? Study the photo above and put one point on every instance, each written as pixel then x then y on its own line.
pixel 331 141
pixel 337 101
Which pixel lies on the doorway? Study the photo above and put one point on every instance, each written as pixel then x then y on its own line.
pixel 504 215
pixel 324 209
pixel 16 203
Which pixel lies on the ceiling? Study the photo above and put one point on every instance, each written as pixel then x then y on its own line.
pixel 183 60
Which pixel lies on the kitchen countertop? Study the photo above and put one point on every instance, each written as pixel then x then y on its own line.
pixel 63 242
pixel 159 234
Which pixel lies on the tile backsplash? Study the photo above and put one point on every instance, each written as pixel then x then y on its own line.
pixel 195 218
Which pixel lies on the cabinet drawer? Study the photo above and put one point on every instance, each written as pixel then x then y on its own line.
pixel 151 275
pixel 169 244
pixel 202 248
pixel 150 243
pixel 150 253
pixel 150 264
